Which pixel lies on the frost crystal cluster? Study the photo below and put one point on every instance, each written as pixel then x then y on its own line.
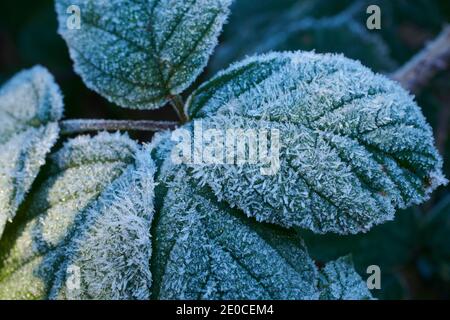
pixel 93 212
pixel 138 53
pixel 109 218
pixel 355 146
pixel 207 250
pixel 30 107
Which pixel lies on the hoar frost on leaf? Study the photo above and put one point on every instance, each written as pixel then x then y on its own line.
pixel 30 107
pixel 94 214
pixel 340 282
pixel 140 53
pixel 204 250
pixel 354 145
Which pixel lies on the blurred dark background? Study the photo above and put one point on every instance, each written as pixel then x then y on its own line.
pixel 414 250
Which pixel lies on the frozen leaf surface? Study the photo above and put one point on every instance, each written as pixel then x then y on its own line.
pixel 354 145
pixel 140 53
pixel 340 282
pixel 30 107
pixel 86 234
pixel 206 250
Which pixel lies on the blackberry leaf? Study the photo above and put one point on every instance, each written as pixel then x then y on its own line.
pixel 205 250
pixel 30 107
pixel 94 214
pixel 341 282
pixel 138 54
pixel 354 145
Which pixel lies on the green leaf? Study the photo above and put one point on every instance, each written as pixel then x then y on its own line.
pixel 206 250
pixel 341 282
pixel 89 222
pixel 354 146
pixel 30 107
pixel 138 54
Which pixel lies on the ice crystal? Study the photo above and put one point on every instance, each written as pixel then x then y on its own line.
pixel 139 53
pixel 340 281
pixel 355 145
pixel 30 106
pixel 93 213
pixel 205 250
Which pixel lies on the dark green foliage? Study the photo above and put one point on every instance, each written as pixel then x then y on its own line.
pixel 413 251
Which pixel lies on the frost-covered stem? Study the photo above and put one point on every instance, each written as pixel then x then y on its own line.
pixel 87 125
pixel 178 105
pixel 423 66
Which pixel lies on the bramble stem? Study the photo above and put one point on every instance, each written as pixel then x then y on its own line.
pixel 178 105
pixel 87 125
pixel 435 57
pixel 412 76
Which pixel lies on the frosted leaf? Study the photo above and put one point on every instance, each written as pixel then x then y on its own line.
pixel 204 250
pixel 91 218
pixel 340 281
pixel 30 107
pixel 140 53
pixel 354 145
